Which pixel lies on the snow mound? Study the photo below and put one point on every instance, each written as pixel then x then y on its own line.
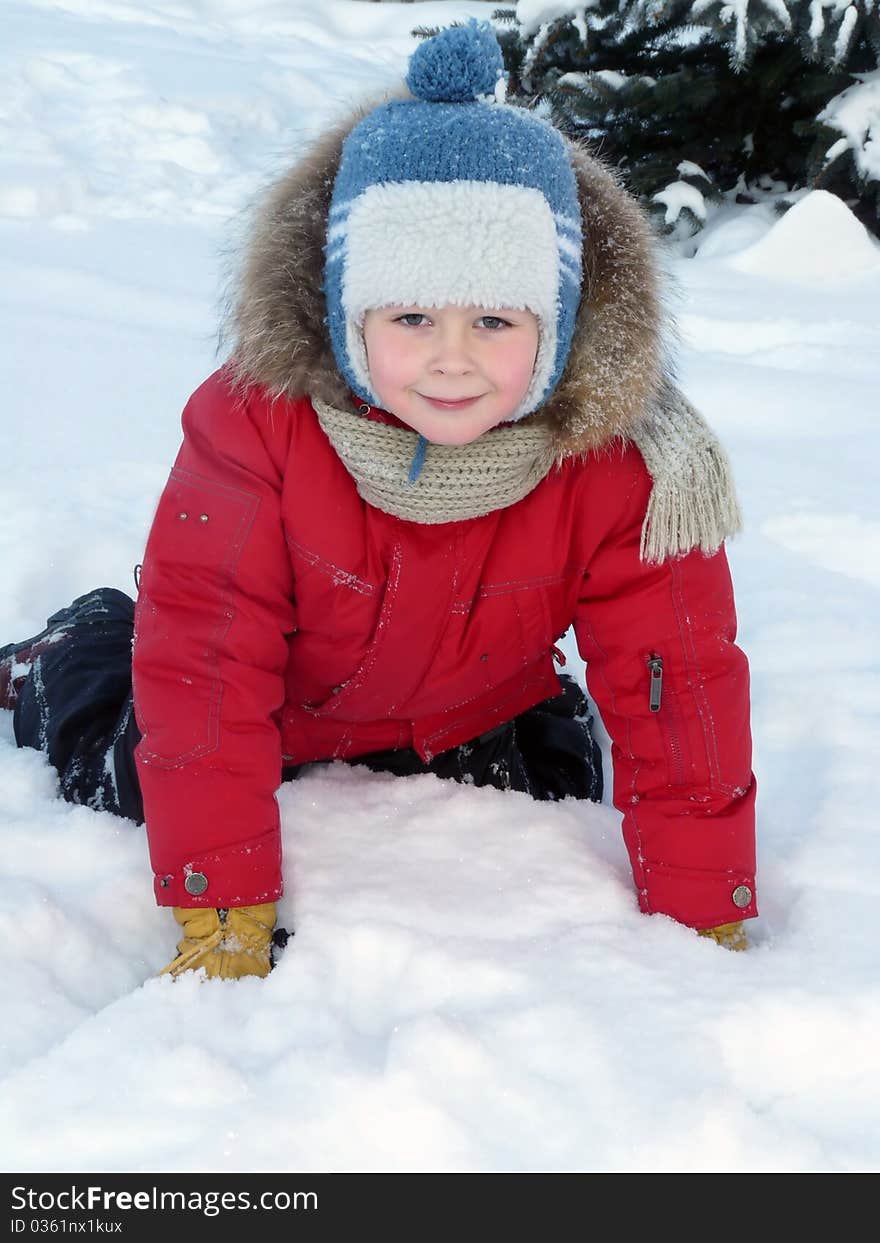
pixel 818 239
pixel 731 230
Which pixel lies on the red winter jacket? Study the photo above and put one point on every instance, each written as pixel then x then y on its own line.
pixel 282 619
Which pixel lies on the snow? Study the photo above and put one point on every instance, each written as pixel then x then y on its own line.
pixel 470 986
pixel 856 113
pixel 817 240
pixel 677 196
pixel 531 15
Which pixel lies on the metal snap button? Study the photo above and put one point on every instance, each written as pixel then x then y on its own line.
pixel 742 896
pixel 196 883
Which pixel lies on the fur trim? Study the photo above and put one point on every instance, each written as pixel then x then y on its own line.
pixel 619 378
pixel 617 363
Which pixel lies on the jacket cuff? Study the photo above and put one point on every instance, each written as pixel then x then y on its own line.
pixel 245 874
pixel 697 898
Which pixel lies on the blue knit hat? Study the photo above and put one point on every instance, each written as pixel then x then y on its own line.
pixel 454 198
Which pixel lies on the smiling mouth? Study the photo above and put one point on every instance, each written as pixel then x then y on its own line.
pixel 451 404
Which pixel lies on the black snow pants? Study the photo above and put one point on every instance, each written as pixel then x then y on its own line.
pixel 70 691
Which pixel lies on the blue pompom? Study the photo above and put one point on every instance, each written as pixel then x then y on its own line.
pixel 457 65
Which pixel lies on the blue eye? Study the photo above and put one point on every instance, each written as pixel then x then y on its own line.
pixel 494 322
pixel 411 315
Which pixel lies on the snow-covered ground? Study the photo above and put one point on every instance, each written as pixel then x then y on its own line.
pixel 470 986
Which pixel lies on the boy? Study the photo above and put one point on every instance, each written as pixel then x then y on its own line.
pixel 447 432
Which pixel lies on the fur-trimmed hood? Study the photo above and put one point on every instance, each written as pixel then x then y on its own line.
pixel 619 360
pixel 618 383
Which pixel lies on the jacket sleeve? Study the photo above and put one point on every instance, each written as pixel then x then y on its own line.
pixel 672 688
pixel 214 609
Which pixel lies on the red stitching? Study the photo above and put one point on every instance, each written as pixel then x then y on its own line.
pixel 523 584
pixel 627 812
pixel 381 631
pixel 223 624
pixel 514 694
pixel 696 683
pixel 441 630
pixel 341 578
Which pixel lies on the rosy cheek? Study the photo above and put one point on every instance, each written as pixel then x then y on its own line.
pixel 386 362
pixel 520 368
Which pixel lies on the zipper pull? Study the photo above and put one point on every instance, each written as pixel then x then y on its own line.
pixel 558 656
pixel 655 664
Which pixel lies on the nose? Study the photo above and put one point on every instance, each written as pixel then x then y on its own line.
pixel 451 354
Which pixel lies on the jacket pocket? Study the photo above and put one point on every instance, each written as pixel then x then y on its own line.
pixel 664 705
pixel 362 692
pixel 185 608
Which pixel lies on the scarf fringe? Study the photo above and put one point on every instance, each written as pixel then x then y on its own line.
pixel 693 502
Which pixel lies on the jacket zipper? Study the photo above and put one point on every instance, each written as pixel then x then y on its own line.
pixel 655 664
pixel 666 723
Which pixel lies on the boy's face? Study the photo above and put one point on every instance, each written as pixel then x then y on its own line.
pixel 424 360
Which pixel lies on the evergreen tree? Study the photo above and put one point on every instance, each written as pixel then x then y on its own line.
pixel 702 101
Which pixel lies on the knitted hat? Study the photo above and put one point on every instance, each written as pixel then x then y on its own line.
pixel 454 198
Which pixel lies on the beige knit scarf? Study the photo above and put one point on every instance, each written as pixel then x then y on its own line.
pixel 693 502
pixel 455 482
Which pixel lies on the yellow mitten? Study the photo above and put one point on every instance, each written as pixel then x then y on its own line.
pixel 227 943
pixel 731 936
